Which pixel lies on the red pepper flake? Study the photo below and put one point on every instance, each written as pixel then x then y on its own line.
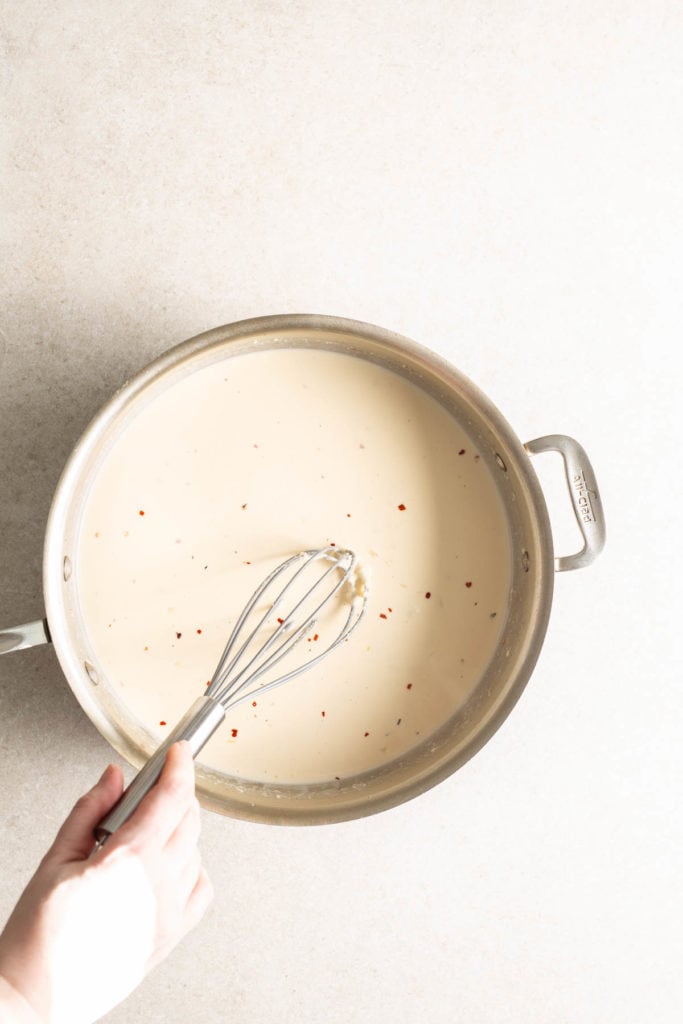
pixel 382 615
pixel 162 723
pixel 234 733
pixel 332 544
pixel 244 506
pixel 366 734
pixel 208 682
pixel 461 452
pixel 322 713
pixel 390 609
pixel 178 636
pixel 141 512
pixel 253 703
pixel 348 516
pixel 199 630
pixel 468 583
pixel 409 686
pixel 337 779
pixel 316 636
pixel 247 563
pixel 428 594
pixel 401 507
pixel 281 621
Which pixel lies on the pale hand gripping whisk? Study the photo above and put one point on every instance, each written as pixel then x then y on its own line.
pixel 322 589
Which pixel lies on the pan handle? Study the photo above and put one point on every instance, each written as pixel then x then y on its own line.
pixel 29 635
pixel 583 490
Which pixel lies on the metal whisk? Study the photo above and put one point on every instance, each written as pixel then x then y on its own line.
pixel 322 588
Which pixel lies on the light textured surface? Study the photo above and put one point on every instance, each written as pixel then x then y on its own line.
pixel 501 182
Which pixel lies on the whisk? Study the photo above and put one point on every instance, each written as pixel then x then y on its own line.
pixel 311 584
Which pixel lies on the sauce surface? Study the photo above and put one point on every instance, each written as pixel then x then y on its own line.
pixel 248 461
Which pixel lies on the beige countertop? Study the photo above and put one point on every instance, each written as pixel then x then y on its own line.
pixel 500 182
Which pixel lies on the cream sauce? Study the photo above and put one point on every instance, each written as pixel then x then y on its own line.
pixel 248 461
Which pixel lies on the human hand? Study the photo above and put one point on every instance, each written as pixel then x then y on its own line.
pixel 85 932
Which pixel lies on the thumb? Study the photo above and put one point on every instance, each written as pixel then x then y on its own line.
pixel 75 838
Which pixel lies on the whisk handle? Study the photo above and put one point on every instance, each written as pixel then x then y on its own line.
pixel 196 726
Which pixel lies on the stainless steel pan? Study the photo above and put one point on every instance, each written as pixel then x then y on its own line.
pixel 530 598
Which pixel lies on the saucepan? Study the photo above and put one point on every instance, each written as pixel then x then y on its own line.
pixel 523 624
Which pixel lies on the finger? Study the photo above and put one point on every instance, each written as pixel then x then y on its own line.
pixel 190 915
pixel 182 860
pixel 198 902
pixel 75 838
pixel 184 839
pixel 188 877
pixel 162 809
pixel 195 907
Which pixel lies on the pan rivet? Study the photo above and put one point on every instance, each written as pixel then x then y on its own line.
pixel 525 560
pixel 67 568
pixel 500 462
pixel 90 669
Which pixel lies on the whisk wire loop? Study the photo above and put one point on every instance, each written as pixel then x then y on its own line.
pixel 221 671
